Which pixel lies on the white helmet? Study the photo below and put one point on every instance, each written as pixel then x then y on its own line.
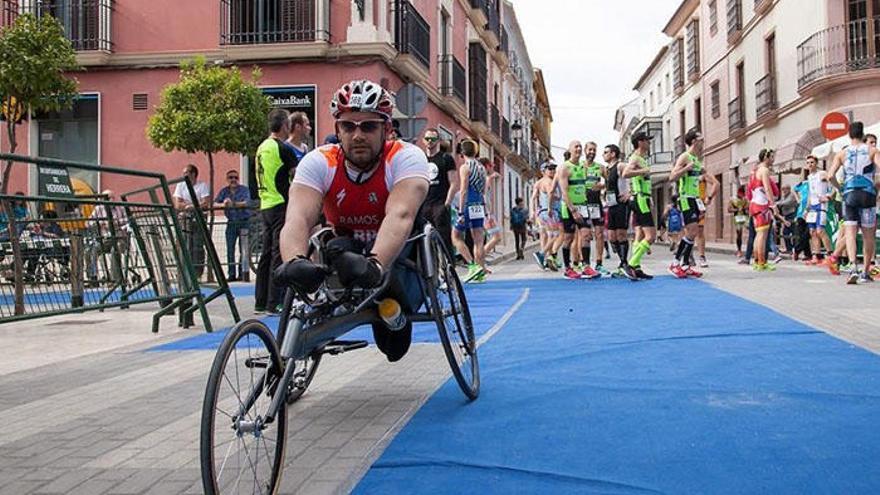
pixel 362 95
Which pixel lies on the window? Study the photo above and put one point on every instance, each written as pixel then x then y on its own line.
pixel 652 101
pixel 678 63
pixel 713 17
pixel 668 84
pixel 659 93
pixel 698 113
pixel 72 134
pixel 716 99
pixel 693 49
pixel 477 79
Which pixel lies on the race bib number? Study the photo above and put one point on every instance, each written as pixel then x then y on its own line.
pixel 700 205
pixel 595 212
pixel 476 212
pixel 740 218
pixel 812 216
pixel 611 199
pixel 583 211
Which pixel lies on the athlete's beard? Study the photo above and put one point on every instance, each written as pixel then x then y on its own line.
pixel 366 164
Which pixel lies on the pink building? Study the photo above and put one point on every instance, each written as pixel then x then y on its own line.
pixel 455 50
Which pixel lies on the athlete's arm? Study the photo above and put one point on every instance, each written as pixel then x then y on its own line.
pixel 454 183
pixel 714 184
pixel 632 169
pixel 563 187
pixel 400 212
pixel 832 172
pixel 303 212
pixel 463 171
pixel 682 166
pixel 533 201
pixel 768 187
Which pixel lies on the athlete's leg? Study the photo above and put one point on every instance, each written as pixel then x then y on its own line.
pixel 585 237
pixel 478 235
pixel 461 246
pixel 599 233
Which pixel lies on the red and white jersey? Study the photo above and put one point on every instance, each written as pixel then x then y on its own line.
pixel 358 208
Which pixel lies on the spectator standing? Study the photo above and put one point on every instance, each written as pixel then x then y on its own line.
pixel 275 165
pixel 673 219
pixel 801 229
pixel 184 204
pixel 518 218
pixel 300 130
pixel 235 201
pixel 788 206
pixel 444 184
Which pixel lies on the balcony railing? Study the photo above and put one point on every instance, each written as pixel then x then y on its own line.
pixel 505 132
pixel 453 81
pixel 412 32
pixel 678 145
pixel 663 157
pixel 765 95
pixel 839 50
pixel 736 115
pixel 86 23
pixel 477 83
pixel 496 121
pixel 734 19
pixel 261 22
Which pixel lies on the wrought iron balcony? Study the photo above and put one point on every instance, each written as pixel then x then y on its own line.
pixel 765 95
pixel 86 23
pixel 734 20
pixel 412 32
pixel 505 132
pixel 260 22
pixel 736 115
pixel 837 50
pixel 453 80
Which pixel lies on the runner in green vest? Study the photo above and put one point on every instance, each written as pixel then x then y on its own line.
pixel 689 171
pixel 596 220
pixel 575 215
pixel 639 172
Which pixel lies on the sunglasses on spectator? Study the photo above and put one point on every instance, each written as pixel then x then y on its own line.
pixel 232 177
pixel 431 139
pixel 366 126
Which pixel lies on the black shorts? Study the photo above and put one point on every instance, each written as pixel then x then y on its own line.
pixel 597 222
pixel 618 217
pixel 570 225
pixel 642 219
pixel 690 211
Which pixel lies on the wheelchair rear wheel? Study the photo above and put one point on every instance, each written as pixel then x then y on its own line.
pixel 448 305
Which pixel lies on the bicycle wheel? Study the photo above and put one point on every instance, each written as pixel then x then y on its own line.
pixel 451 312
pixel 240 453
pixel 302 376
pixel 255 241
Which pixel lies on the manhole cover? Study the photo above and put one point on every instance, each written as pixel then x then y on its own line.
pixel 76 322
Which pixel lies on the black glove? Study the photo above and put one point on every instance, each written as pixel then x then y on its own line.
pixel 302 274
pixel 356 269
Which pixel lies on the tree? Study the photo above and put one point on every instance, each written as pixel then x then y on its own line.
pixel 35 55
pixel 211 109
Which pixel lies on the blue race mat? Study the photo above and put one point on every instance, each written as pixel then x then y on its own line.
pixel 487 302
pixel 610 388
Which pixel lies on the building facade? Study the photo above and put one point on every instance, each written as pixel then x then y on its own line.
pixel 754 74
pixel 455 51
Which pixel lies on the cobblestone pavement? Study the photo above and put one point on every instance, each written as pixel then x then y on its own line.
pixel 85 411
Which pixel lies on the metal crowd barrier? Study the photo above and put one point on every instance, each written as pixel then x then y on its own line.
pixel 86 253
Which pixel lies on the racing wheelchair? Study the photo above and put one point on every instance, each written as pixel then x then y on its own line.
pixel 256 375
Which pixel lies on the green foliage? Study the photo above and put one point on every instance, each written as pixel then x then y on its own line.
pixel 34 57
pixel 211 109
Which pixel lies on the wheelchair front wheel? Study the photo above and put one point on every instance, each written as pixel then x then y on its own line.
pixel 448 305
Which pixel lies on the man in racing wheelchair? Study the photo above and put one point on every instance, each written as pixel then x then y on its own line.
pixel 370 191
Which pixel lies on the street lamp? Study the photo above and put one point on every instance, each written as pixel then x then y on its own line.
pixel 516 132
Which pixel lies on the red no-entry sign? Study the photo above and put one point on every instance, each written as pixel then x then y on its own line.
pixel 835 125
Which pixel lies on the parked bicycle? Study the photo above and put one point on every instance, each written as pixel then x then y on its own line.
pixel 256 375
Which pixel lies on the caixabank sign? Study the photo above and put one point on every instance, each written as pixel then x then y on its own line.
pixel 301 98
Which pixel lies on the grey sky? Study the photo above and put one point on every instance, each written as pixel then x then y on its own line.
pixel 592 53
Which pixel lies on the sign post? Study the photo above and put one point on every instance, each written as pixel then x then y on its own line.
pixel 835 125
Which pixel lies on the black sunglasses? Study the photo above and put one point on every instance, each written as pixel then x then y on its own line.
pixel 232 177
pixel 366 126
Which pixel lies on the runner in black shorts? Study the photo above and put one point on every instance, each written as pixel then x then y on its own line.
pixel 616 198
pixel 639 172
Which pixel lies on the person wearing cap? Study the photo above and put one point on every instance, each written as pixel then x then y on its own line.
pixel 545 210
pixel 638 171
pixel 689 172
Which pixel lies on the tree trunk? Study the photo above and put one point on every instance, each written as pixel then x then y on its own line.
pixel 210 211
pixel 10 225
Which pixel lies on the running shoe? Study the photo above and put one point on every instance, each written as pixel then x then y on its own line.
pixel 579 267
pixel 690 272
pixel 759 267
pixel 833 265
pixel 479 279
pixel 551 264
pixel 853 278
pixel 703 262
pixel 677 271
pixel 630 273
pixel 769 267
pixel 865 277
pixel 642 275
pixel 539 259
pixel 619 273
pixel 571 274
pixel 589 274
pixel 742 261
pixel 603 271
pixel 777 259
pixel 811 261
pixel 875 271
pixel 474 271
